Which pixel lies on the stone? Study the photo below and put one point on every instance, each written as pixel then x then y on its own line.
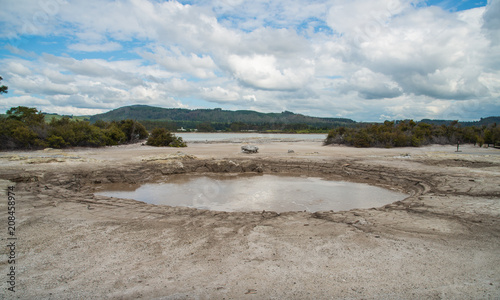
pixel 249 149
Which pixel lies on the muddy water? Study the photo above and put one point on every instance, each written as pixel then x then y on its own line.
pixel 256 193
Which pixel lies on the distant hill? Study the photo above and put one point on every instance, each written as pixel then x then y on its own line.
pixel 217 115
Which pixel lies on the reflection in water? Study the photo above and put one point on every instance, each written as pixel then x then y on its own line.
pixel 257 193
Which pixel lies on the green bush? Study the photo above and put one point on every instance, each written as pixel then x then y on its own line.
pixel 25 128
pixel 24 137
pixel 134 131
pixel 55 141
pixel 160 137
pixel 114 135
pixel 410 134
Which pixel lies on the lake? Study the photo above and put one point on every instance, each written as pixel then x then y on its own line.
pixel 238 137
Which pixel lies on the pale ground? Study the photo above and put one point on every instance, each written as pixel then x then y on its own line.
pixel 441 242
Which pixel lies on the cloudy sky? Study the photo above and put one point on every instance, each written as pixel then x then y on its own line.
pixel 368 60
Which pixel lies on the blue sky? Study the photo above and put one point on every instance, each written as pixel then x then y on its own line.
pixel 369 60
pixel 453 5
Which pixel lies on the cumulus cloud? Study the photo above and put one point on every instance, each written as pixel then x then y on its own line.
pixel 119 72
pixel 220 95
pixel 371 85
pixel 491 21
pixel 419 51
pixel 87 84
pixel 263 72
pixel 201 66
pixel 360 18
pixel 346 58
pixel 17 68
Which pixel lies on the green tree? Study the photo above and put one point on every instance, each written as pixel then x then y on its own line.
pixel 25 127
pixel 205 127
pixel 63 129
pixel 25 137
pixel 86 134
pixel 3 88
pixel 114 135
pixel 237 126
pixel 134 131
pixel 27 115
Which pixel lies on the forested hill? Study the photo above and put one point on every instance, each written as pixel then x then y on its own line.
pixel 217 115
pixel 207 120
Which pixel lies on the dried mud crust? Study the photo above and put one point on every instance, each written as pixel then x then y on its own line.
pixel 418 185
pixel 440 242
pixel 460 163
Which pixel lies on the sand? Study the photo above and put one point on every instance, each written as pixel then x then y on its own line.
pixel 443 241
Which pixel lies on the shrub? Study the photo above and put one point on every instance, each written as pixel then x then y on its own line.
pixel 114 135
pixel 408 133
pixel 24 127
pixel 24 137
pixel 134 131
pixel 55 141
pixel 160 137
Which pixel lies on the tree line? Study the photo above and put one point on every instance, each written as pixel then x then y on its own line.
pixel 411 134
pixel 26 128
pixel 237 126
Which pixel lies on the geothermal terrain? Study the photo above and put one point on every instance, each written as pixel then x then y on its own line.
pixel 442 241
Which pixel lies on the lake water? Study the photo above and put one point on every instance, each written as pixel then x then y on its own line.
pixel 237 137
pixel 244 192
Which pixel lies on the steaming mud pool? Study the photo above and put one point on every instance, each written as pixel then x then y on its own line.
pixel 238 192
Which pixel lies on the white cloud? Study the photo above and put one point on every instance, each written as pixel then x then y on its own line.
pixel 371 85
pixel 24 100
pixel 363 18
pixel 57 77
pixel 424 51
pixel 449 84
pixel 20 84
pixel 220 95
pixel 263 72
pixel 71 110
pixel 18 68
pixel 25 17
pixel 173 60
pixel 106 47
pixel 361 59
pixel 491 21
pixel 15 50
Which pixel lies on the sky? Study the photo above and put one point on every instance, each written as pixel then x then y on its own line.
pixel 367 60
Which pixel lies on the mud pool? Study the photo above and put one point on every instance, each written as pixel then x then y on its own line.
pixel 255 193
